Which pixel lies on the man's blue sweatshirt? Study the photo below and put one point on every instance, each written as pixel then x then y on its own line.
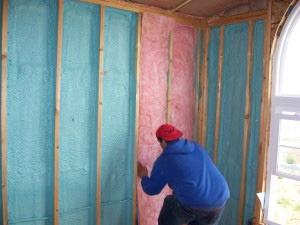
pixel 189 171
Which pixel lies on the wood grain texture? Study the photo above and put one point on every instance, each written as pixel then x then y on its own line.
pixel 57 112
pixel 3 112
pixel 219 89
pixel 137 71
pixel 264 118
pixel 247 122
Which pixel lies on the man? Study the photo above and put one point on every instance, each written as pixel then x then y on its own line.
pixel 199 189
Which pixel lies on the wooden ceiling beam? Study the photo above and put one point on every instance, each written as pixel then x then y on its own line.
pixel 180 5
pixel 239 18
pixel 140 8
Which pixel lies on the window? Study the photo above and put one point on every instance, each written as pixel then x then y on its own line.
pixel 283 185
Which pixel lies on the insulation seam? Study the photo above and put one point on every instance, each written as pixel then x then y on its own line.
pixel 28 220
pixel 76 210
pixel 116 202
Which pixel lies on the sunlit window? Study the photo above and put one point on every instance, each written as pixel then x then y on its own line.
pixel 282 203
pixel 290 79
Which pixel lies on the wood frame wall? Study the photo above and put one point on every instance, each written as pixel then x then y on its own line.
pixel 247 122
pixel 204 90
pixel 264 118
pixel 57 111
pixel 99 130
pixel 139 8
pixel 197 80
pixel 3 112
pixel 138 59
pixel 265 104
pixel 219 90
pixel 201 122
pixel 170 75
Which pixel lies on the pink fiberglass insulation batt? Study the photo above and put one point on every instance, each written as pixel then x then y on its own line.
pixel 153 96
pixel 183 92
pixel 153 104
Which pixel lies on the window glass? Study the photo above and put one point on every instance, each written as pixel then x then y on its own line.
pixel 290 77
pixel 290 133
pixel 288 157
pixel 285 200
pixel 289 161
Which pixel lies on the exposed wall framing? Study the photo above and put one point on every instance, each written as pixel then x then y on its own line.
pixel 265 118
pixel 56 116
pixel 204 90
pixel 133 7
pixel 197 81
pixel 201 113
pixel 99 131
pixel 138 59
pixel 57 112
pixel 3 113
pixel 214 22
pixel 246 123
pixel 170 77
pixel 220 23
pixel 219 89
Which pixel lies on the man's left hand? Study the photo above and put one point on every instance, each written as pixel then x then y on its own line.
pixel 141 170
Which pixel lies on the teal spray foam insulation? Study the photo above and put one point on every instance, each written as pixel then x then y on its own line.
pixel 231 133
pixel 78 117
pixel 213 61
pixel 256 95
pixel 30 101
pixel 1 209
pixel 118 117
pixel 32 26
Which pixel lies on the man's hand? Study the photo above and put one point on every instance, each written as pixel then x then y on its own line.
pixel 141 170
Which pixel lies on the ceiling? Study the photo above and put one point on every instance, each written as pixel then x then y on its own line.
pixel 207 8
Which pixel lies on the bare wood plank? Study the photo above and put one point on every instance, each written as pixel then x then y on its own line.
pixel 245 17
pixel 204 89
pixel 57 112
pixel 3 112
pixel 137 99
pixel 99 129
pixel 264 117
pixel 218 104
pixel 197 80
pixel 247 121
pixel 180 5
pixel 140 8
pixel 170 78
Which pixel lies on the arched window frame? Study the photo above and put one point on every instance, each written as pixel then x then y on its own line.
pixel 284 107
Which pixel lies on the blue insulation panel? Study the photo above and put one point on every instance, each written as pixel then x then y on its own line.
pixel 232 111
pixel 78 117
pixel 117 150
pixel 213 61
pixel 32 26
pixel 256 95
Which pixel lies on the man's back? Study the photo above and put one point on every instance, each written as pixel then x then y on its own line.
pixel 200 191
pixel 192 175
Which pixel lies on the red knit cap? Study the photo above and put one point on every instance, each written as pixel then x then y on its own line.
pixel 168 132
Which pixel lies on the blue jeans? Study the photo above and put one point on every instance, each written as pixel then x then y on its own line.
pixel 174 213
